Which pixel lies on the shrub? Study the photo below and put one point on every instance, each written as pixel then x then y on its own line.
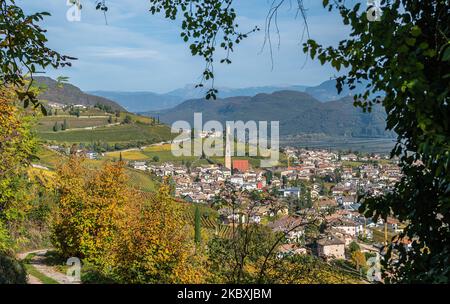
pixel 11 271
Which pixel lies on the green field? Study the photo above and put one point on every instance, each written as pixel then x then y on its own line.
pixel 164 154
pixel 368 145
pixel 114 134
pixel 142 180
pixel 46 124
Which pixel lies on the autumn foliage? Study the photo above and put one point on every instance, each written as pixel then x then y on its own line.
pixel 129 236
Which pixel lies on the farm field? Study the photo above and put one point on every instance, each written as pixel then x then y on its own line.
pixel 375 145
pixel 164 154
pixel 46 123
pixel 113 134
pixel 209 220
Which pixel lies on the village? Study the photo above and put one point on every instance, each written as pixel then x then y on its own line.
pixel 317 186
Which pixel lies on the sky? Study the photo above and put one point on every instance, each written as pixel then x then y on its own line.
pixel 138 51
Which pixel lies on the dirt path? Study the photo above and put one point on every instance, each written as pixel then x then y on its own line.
pixel 38 262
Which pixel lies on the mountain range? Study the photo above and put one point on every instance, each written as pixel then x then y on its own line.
pixel 150 101
pixel 297 112
pixel 299 109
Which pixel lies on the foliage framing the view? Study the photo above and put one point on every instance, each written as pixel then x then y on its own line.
pixel 406 55
pixel 23 50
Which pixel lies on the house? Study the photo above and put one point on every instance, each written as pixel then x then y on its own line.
pixel 249 186
pixel 139 165
pixel 238 180
pixel 289 250
pixel 325 204
pixel 330 247
pixel 91 155
pixel 291 226
pixel 346 201
pixel 341 235
pixel 291 192
pixel 347 226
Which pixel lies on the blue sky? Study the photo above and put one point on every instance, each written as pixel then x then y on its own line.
pixel 137 51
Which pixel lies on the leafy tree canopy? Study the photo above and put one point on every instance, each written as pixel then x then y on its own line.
pixel 23 50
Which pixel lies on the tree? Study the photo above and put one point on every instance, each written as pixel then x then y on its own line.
pixel 128 236
pixel 127 119
pixel 198 233
pixel 65 125
pixel 90 203
pixel 406 56
pixel 17 149
pixel 110 119
pixel 354 247
pixel 268 175
pixel 23 50
pixel 155 158
pixel 359 259
pixel 284 181
pixel 56 127
pixel 154 244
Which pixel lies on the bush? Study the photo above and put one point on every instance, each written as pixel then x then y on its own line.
pixel 11 271
pixel 354 247
pixel 91 274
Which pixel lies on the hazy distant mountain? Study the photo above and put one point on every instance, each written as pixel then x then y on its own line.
pixel 141 101
pixel 70 94
pixel 149 101
pixel 190 92
pixel 297 112
pixel 326 91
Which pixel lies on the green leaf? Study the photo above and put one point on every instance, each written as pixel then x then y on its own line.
pixel 446 55
pixel 416 31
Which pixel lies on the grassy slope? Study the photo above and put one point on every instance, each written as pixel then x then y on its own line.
pixel 48 158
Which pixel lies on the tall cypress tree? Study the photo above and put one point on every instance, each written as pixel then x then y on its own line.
pixel 198 236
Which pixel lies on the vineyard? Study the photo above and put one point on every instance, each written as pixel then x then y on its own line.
pixel 210 221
